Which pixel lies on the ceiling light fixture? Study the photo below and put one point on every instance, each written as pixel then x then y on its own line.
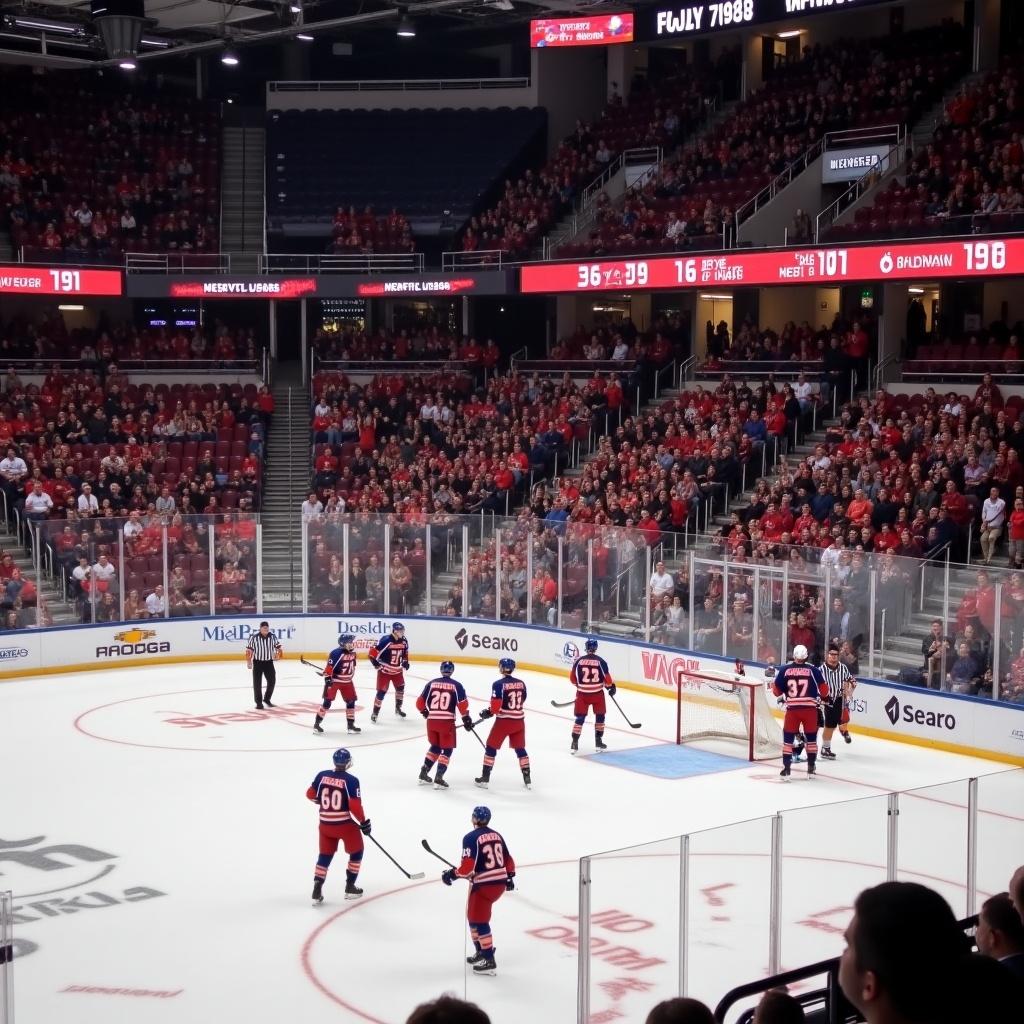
pixel 304 36
pixel 128 64
pixel 230 58
pixel 295 7
pixel 791 34
pixel 46 26
pixel 406 27
pixel 71 308
pixel 716 298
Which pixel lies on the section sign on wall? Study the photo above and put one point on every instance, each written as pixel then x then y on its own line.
pixel 22 280
pixel 988 258
pixel 601 30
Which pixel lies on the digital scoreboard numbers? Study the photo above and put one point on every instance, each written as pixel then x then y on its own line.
pixel 869 263
pixel 22 280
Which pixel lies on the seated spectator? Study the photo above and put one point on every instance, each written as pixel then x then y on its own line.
pixel 1000 933
pixel 778 1007
pixel 680 1011
pixel 964 675
pixel 448 1010
pixel 156 604
pixel 901 939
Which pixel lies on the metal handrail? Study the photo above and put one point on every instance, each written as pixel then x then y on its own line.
pixel 802 162
pixel 400 85
pixel 34 365
pixel 475 259
pixel 900 150
pixel 341 263
pixel 176 263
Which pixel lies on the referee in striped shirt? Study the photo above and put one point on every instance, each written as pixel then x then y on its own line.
pixel 262 650
pixel 840 686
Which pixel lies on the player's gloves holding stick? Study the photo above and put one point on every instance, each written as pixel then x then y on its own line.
pixel 365 827
pixel 510 883
pixel 486 713
pixel 467 723
pixel 405 664
pixel 375 662
pixel 448 876
pixel 612 690
pixel 425 713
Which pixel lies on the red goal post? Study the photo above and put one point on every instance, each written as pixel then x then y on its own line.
pixel 727 705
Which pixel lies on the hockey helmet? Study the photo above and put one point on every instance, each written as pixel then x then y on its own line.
pixel 507 665
pixel 591 645
pixel 345 639
pixel 447 668
pixel 342 758
pixel 397 627
pixel 799 653
pixel 482 814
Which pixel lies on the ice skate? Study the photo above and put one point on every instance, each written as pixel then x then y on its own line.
pixel 575 748
pixel 811 769
pixel 317 727
pixel 599 743
pixel 486 966
pixel 400 712
pixel 318 891
pixel 827 754
pixel 425 779
pixel 785 773
pixel 478 957
pixel 526 778
pixel 441 784
pixel 352 891
pixel 352 727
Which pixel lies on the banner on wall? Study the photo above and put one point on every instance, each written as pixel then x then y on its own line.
pixel 899 712
pixel 599 30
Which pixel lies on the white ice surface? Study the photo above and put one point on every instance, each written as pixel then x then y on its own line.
pixel 214 818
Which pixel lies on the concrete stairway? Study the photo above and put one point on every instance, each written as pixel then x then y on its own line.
pixel 242 193
pixel 62 612
pixel 288 475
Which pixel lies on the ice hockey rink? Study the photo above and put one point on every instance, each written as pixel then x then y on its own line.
pixel 160 846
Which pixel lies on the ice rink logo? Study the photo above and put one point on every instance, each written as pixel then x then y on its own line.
pixel 134 636
pixel 462 638
pixel 133 641
pixel 12 653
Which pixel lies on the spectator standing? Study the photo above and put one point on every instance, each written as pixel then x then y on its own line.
pixel 661 584
pixel 13 471
pixel 87 502
pixel 993 518
pixel 1017 534
pixel 155 602
pixel 262 650
pixel 312 508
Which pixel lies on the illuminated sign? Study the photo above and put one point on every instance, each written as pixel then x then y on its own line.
pixel 597 31
pixel 790 266
pixel 851 164
pixel 423 286
pixel 19 280
pixel 254 288
pixel 693 19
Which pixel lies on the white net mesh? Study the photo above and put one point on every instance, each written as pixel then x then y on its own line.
pixel 729 707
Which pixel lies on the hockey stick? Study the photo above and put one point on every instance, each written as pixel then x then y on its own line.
pixel 434 853
pixel 317 668
pixel 632 725
pixel 416 875
pixel 567 704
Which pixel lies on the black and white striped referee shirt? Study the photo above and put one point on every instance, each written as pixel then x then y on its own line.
pixel 837 678
pixel 263 648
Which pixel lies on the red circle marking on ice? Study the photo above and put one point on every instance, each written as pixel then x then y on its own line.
pixel 307 947
pixel 355 744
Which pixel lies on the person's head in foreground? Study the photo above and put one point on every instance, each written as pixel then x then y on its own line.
pixel 448 1010
pixel 680 1011
pixel 904 953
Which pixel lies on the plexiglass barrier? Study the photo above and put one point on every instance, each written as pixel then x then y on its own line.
pixel 703 912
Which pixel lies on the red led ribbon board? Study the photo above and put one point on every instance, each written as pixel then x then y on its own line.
pixel 264 288
pixel 427 286
pixel 599 31
pixel 21 280
pixel 835 265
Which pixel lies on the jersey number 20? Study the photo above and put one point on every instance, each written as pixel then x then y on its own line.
pixel 440 700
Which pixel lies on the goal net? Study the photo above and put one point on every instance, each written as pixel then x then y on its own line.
pixel 727 706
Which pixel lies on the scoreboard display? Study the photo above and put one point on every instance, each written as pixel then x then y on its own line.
pixel 22 280
pixel 674 21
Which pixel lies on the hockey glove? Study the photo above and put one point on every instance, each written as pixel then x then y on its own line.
pixel 612 690
pixel 365 827
pixel 510 883
pixel 375 662
pixel 425 713
pixel 486 713
pixel 781 701
pixel 467 723
pixel 448 876
pixel 405 664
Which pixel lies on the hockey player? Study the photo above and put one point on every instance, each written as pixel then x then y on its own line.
pixel 508 700
pixel 438 703
pixel 339 674
pixel 336 793
pixel 390 657
pixel 591 677
pixel 489 866
pixel 840 685
pixel 803 688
